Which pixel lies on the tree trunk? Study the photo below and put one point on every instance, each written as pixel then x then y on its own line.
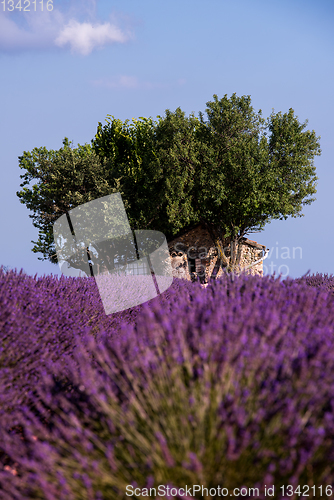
pixel 216 236
pixel 236 249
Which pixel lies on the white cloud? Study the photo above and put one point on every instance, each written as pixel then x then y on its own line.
pixel 132 82
pixel 85 37
pixel 123 81
pixel 54 29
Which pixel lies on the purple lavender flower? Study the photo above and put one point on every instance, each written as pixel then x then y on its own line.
pixel 228 385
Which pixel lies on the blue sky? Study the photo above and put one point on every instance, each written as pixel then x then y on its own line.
pixel 63 70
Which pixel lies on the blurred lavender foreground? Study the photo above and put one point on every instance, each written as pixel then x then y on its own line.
pixel 231 385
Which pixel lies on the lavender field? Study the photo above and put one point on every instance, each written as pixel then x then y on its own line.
pixel 230 385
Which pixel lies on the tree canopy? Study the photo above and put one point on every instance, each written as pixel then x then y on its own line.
pixel 234 171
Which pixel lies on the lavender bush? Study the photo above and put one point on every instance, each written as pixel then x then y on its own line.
pixel 41 320
pixel 231 385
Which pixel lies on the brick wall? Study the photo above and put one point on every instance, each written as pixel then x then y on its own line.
pixel 194 253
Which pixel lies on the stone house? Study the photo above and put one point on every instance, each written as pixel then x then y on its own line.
pixel 194 255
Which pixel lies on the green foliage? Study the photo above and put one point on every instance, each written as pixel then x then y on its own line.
pixel 235 172
pixel 291 152
pixel 130 154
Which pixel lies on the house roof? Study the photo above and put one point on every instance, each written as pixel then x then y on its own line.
pixel 183 232
pixel 253 244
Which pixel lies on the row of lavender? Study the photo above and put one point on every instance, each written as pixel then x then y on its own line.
pixel 231 385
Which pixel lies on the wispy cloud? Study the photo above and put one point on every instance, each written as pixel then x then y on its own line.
pixel 122 81
pixel 56 29
pixel 118 82
pixel 29 32
pixel 132 82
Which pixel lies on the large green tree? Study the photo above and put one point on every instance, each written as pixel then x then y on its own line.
pixel 234 171
pixel 252 170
